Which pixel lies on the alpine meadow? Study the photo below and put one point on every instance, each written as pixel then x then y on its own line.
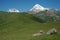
pixel 21 26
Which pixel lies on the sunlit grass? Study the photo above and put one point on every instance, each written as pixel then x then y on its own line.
pixel 18 26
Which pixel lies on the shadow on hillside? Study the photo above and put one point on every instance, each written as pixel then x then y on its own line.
pixel 38 19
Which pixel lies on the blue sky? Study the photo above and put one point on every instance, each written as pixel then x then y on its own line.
pixel 25 5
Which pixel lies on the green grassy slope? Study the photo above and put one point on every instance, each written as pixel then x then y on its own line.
pixel 18 26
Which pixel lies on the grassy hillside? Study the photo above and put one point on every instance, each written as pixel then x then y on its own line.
pixel 21 26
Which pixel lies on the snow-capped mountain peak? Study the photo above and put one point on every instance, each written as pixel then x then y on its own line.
pixel 13 10
pixel 38 8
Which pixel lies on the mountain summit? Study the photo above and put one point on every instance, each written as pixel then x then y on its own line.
pixel 38 8
pixel 13 10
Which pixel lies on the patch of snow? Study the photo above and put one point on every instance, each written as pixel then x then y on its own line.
pixel 38 8
pixel 13 10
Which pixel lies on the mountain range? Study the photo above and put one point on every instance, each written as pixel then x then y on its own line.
pixel 45 14
pixel 42 13
pixel 36 8
pixel 17 25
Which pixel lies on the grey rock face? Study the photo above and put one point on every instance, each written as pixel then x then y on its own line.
pixel 41 32
pixel 52 31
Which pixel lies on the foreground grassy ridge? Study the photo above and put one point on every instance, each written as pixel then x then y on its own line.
pixel 18 26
